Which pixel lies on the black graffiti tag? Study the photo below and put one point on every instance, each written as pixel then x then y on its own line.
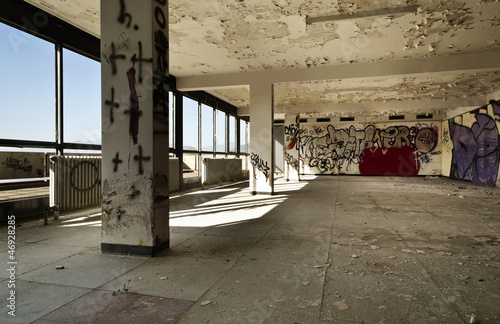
pixel 16 164
pixel 260 164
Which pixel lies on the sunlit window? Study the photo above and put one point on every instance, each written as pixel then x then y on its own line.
pixel 221 131
pixel 190 124
pixel 207 128
pixel 82 99
pixel 232 134
pixel 27 84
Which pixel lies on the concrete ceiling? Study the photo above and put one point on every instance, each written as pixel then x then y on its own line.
pixel 442 56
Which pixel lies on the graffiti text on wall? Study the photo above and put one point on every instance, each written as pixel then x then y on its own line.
pixel 339 149
pixel 23 165
pixel 260 165
pixel 476 152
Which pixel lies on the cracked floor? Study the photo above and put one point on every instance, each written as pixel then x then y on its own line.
pixel 343 249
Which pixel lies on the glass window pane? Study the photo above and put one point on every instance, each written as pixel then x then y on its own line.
pixel 232 134
pixel 171 119
pixel 28 86
pixel 82 99
pixel 207 128
pixel 190 124
pixel 221 131
pixel 243 136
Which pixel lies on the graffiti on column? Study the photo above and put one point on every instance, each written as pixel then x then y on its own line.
pixel 140 158
pixel 134 77
pixel 112 104
pixel 117 161
pixel 476 153
pixel 292 134
pixel 259 165
pixel 134 103
pixel 291 160
pixel 161 86
pixel 396 147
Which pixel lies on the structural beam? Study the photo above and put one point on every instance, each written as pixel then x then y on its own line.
pixel 467 63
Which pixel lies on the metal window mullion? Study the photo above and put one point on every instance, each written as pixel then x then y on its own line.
pixel 214 148
pixel 227 134
pixel 238 137
pixel 59 99
pixel 199 139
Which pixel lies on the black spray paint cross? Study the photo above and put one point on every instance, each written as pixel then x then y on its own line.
pixel 141 158
pixel 140 60
pixel 117 161
pixel 113 104
pixel 113 57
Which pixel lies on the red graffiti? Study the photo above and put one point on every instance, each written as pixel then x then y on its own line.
pixel 134 103
pixel 389 161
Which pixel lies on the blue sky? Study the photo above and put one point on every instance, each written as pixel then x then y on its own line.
pixel 27 95
pixel 27 99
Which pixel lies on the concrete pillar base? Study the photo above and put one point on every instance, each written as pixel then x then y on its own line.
pixel 136 250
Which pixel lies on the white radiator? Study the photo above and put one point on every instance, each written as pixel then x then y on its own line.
pixel 75 181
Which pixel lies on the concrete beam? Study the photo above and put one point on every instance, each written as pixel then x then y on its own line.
pixel 468 63
pixel 416 106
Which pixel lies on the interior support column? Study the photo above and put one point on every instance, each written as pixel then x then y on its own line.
pixel 261 138
pixel 292 131
pixel 135 155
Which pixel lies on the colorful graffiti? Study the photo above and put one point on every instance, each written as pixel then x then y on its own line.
pixel 401 150
pixel 292 134
pixel 476 153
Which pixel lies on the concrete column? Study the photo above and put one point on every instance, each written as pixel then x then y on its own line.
pixel 261 138
pixel 292 128
pixel 134 68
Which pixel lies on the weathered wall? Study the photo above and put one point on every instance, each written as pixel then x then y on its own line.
pixel 403 148
pixel 17 165
pixel 221 170
pixel 471 146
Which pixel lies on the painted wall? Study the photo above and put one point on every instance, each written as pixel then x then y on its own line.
pixel 402 149
pixel 471 146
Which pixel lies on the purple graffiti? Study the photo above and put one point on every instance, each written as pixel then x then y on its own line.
pixel 496 107
pixel 476 151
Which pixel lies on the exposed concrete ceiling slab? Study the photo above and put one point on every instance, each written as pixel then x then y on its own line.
pixel 243 36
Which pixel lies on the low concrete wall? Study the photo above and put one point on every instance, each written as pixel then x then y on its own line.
pixel 18 165
pixel 173 170
pixel 190 161
pixel 221 170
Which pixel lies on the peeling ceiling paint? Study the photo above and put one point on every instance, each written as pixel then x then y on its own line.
pixel 232 36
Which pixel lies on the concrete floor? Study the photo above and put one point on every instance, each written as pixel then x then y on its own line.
pixel 325 250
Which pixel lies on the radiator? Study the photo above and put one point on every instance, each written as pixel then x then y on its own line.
pixel 75 181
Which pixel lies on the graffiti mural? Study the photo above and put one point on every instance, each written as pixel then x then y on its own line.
pixel 476 153
pixel 394 150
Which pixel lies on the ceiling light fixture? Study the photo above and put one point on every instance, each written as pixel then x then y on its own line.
pixel 374 13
